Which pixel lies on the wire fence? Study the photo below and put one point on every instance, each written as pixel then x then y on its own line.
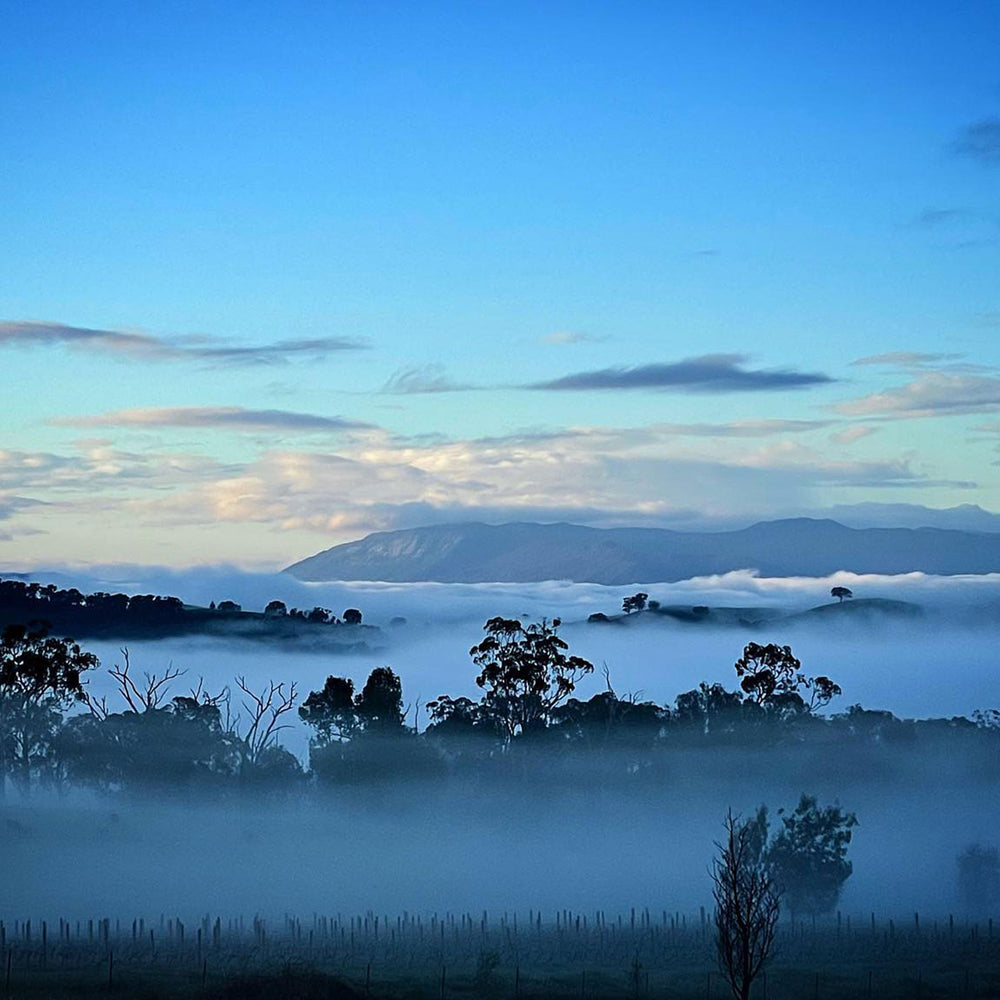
pixel 638 954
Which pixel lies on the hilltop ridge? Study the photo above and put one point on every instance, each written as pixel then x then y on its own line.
pixel 525 552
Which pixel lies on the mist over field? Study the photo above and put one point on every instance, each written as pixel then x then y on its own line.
pixel 422 846
pixel 422 849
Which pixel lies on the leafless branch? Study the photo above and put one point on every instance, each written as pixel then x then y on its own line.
pixel 147 696
pixel 264 710
pixel 746 909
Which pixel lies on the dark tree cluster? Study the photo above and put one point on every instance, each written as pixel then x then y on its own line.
pixel 527 718
pixel 71 609
pixel 317 615
pixel 34 602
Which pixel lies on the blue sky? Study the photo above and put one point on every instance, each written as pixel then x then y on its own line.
pixel 635 250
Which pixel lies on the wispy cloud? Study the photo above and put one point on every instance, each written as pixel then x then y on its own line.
pixel 96 467
pixel 571 337
pixel 935 218
pixel 980 141
pixel 905 359
pixel 223 417
pixel 855 432
pixel 147 347
pixel 11 505
pixel 422 379
pixel 744 428
pixel 934 393
pixel 710 373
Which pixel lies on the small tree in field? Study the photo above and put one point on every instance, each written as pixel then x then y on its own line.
pixel 841 592
pixel 808 856
pixel 979 879
pixel 746 906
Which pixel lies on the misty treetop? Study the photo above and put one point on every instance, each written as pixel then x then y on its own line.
pixel 525 672
pixel 528 713
pixel 770 676
pixel 40 676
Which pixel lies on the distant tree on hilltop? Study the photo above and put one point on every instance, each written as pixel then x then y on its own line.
pixel 634 603
pixel 841 592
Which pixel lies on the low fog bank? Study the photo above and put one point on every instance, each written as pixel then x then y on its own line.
pixel 915 670
pixel 972 599
pixel 941 664
pixel 583 844
pixel 428 847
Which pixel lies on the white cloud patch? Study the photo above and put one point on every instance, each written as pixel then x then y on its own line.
pixel 594 476
pixel 849 435
pixel 571 337
pixel 644 475
pixel 934 393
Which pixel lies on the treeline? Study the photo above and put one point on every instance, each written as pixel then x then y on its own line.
pixel 149 738
pixel 71 610
pixel 34 601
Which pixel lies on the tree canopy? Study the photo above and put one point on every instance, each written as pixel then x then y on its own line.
pixel 525 672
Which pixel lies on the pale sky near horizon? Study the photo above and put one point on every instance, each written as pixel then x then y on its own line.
pixel 275 275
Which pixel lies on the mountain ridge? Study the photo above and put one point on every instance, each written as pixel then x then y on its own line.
pixel 529 552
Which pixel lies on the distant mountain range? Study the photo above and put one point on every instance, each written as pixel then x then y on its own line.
pixel 527 553
pixel 964 517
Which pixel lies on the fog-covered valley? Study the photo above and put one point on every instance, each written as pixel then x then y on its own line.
pixel 423 849
pixel 535 838
pixel 940 664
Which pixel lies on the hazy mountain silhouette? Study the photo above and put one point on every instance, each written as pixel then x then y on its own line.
pixel 527 553
pixel 964 517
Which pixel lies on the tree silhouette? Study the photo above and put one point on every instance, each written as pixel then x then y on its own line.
pixel 525 672
pixel 979 879
pixel 746 906
pixel 770 676
pixel 380 704
pixel 39 676
pixel 352 616
pixel 808 856
pixel 841 592
pixel 634 603
pixel 331 712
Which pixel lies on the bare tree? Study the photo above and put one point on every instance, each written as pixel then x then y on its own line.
pixel 147 695
pixel 264 710
pixel 746 906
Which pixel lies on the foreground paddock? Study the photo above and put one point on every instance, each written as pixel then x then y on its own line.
pixel 530 955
